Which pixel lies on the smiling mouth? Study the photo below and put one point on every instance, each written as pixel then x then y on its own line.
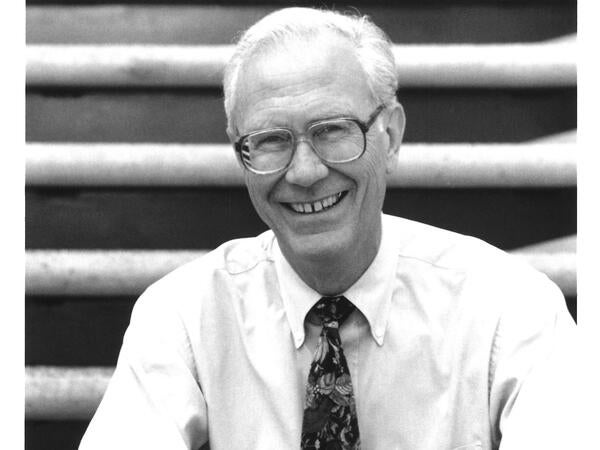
pixel 318 206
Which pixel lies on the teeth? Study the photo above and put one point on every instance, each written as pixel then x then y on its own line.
pixel 317 206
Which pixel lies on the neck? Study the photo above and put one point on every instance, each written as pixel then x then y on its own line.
pixel 334 274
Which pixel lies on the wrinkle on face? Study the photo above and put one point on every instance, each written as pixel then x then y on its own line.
pixel 293 88
pixel 274 85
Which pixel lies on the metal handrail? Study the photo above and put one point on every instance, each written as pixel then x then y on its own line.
pixel 419 165
pixel 541 64
pixel 129 272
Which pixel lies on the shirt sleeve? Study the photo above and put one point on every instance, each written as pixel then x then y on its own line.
pixel 154 400
pixel 533 368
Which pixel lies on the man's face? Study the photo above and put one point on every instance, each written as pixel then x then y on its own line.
pixel 292 87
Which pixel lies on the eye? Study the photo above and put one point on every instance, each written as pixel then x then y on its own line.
pixel 270 141
pixel 332 130
pixel 327 129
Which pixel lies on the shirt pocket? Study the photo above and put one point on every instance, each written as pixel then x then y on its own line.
pixel 473 446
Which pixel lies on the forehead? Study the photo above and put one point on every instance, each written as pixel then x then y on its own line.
pixel 300 81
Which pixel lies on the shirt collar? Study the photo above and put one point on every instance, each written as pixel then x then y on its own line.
pixel 371 293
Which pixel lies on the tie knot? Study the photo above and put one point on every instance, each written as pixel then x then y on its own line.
pixel 332 309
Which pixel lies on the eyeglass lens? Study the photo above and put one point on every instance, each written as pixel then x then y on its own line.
pixel 335 141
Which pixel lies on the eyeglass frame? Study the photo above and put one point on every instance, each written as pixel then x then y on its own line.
pixel 296 139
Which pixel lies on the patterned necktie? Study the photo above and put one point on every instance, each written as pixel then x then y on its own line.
pixel 329 410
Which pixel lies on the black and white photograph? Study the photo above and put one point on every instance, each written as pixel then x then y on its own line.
pixel 301 225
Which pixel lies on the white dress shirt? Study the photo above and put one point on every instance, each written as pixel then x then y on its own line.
pixel 447 332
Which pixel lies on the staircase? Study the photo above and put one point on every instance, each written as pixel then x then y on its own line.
pixel 129 173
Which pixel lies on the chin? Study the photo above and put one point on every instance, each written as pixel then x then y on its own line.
pixel 326 246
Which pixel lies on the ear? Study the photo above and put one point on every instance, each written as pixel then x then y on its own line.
pixel 395 131
pixel 231 135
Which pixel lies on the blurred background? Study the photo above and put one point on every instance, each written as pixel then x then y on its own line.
pixel 129 172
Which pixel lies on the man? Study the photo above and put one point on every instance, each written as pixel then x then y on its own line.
pixel 340 327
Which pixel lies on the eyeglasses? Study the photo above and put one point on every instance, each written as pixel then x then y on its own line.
pixel 337 140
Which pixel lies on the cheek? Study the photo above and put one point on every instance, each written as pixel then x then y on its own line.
pixel 254 190
pixel 375 170
pixel 372 183
pixel 259 191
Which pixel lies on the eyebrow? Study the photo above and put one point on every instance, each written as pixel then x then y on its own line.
pixel 328 115
pixel 335 115
pixel 335 112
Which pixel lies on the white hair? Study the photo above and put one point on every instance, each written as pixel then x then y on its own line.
pixel 371 44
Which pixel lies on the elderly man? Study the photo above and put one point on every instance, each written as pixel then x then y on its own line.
pixel 340 327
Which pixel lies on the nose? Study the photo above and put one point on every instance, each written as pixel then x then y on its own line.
pixel 306 167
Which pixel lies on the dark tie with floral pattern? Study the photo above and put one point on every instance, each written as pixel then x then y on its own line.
pixel 329 409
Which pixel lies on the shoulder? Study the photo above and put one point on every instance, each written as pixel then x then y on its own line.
pixel 447 249
pixel 232 257
pixel 200 278
pixel 483 270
